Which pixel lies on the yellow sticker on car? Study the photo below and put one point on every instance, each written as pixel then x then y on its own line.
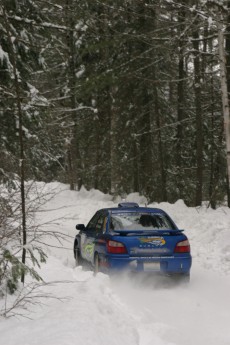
pixel 89 248
pixel 156 241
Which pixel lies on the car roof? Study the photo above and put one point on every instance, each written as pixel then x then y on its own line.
pixel 132 209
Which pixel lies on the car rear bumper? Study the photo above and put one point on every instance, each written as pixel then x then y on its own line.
pixel 168 265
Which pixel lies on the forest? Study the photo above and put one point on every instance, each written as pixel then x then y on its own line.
pixel 121 96
pixel 125 96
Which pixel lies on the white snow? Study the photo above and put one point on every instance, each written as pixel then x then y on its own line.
pixel 80 72
pixel 3 55
pixel 83 309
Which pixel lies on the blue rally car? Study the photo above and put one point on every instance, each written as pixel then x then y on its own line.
pixel 133 238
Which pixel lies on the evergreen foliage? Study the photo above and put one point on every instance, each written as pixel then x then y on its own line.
pixel 121 96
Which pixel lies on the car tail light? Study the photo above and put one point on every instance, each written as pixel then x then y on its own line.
pixel 182 247
pixel 115 247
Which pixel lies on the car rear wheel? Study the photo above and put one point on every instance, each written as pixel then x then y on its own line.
pixel 78 259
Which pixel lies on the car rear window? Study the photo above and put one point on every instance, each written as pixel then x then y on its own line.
pixel 140 221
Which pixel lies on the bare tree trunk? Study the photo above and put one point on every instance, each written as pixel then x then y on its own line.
pixel 97 157
pixel 21 141
pixel 212 183
pixel 146 147
pixel 214 164
pixel 75 151
pixel 114 158
pixel 180 102
pixel 70 166
pixel 199 127
pixel 136 172
pixel 224 92
pixel 163 189
pixel 227 47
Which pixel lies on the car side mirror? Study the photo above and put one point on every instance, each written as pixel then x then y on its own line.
pixel 80 227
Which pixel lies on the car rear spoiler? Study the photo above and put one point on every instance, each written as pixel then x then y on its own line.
pixel 148 232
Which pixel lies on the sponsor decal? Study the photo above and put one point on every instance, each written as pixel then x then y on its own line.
pixel 144 249
pixel 155 241
pixel 89 248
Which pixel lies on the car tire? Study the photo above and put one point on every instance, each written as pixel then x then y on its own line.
pixel 78 259
pixel 96 264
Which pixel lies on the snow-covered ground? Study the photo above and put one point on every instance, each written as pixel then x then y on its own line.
pixel 87 310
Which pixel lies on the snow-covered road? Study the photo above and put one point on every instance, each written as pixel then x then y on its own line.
pixel 185 315
pixel 101 310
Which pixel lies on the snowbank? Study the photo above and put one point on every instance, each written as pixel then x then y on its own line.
pixel 88 310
